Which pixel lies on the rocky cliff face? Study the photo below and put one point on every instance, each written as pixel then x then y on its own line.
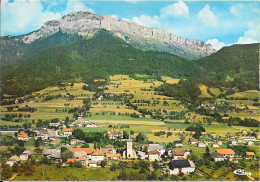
pixel 142 37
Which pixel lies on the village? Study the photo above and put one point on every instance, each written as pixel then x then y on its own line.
pixel 176 159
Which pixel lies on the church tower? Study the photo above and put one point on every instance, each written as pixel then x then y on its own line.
pixel 129 147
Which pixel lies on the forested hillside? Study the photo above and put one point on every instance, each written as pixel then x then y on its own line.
pixel 93 58
pixel 63 57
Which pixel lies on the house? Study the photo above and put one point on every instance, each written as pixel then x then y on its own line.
pixel 12 160
pixel 114 134
pixel 234 142
pixel 92 163
pixel 250 143
pixel 178 143
pixel 97 155
pixel 219 142
pixel 52 153
pixel 25 155
pixel 100 97
pixel 79 154
pixel 83 161
pixel 91 125
pixel 157 147
pixel 55 124
pixel 52 135
pixel 41 134
pixel 113 156
pixel 246 139
pixel 185 166
pixel 231 136
pixel 154 155
pixel 67 131
pixel 109 149
pixel 80 117
pixel 250 155
pixel 217 157
pixel 180 153
pixel 82 152
pixel 193 141
pixel 244 132
pixel 71 160
pixel 225 118
pixel 215 145
pixel 73 142
pixel 227 153
pixel 213 135
pixel 22 136
pixel 46 134
pixel 201 144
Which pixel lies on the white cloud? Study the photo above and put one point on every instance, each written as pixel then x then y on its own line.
pixel 146 20
pixel 74 6
pixel 216 44
pixel 176 9
pixel 236 9
pixel 24 16
pixel 252 35
pixel 207 17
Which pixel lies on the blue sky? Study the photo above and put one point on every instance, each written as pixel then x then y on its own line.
pixel 216 22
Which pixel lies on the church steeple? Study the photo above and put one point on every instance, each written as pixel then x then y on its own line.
pixel 129 137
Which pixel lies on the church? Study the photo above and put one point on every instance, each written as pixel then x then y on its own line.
pixel 129 152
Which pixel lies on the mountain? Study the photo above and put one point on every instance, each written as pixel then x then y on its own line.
pixel 88 58
pixel 233 66
pixel 83 23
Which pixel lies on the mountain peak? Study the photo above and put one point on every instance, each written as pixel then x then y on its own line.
pixel 142 37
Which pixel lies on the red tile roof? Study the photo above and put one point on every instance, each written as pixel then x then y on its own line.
pixel 225 151
pixel 68 130
pixel 97 152
pixel 71 160
pixel 250 153
pixel 87 150
pixel 153 152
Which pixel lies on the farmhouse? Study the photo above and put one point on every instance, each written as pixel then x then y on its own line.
pixel 12 160
pixel 114 134
pixel 180 153
pixel 250 155
pixel 25 155
pixel 227 153
pixel 193 141
pixel 67 131
pixel 185 166
pixel 246 139
pixel 217 157
pixel 178 143
pixel 92 163
pixel 97 155
pixel 154 155
pixel 157 147
pixel 52 153
pixel 82 152
pixel 201 144
pixel 215 145
pixel 22 136
pixel 91 125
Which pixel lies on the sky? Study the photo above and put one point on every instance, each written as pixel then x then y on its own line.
pixel 219 23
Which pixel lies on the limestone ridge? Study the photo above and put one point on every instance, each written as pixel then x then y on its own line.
pixel 141 37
